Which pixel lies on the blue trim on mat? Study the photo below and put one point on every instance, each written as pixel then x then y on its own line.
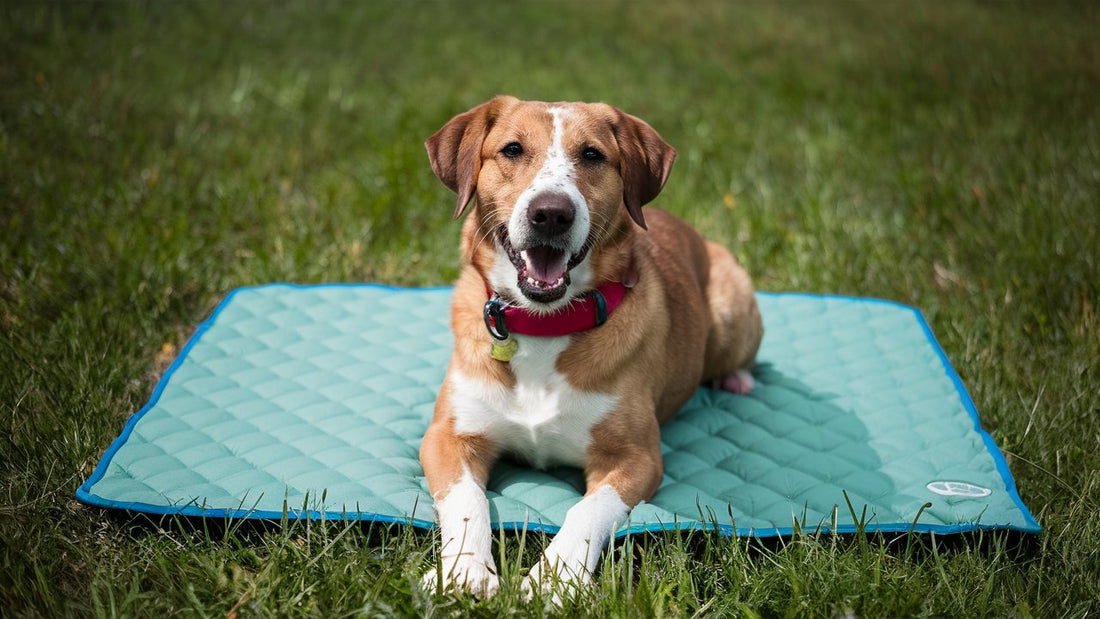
pixel 84 494
pixel 964 395
pixel 990 444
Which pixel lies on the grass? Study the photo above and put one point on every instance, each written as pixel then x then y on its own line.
pixel 154 156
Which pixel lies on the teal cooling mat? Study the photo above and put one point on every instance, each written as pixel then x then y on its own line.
pixel 310 401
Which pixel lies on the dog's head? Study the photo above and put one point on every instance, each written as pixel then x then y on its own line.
pixel 551 182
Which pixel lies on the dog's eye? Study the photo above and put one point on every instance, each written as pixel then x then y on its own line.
pixel 512 150
pixel 591 153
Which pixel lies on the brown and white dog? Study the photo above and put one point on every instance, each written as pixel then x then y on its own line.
pixel 555 244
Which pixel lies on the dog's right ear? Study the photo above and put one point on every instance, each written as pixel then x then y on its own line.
pixel 455 150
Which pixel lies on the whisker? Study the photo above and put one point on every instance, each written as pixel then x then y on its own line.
pixel 601 232
pixel 484 230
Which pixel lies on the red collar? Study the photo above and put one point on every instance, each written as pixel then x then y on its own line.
pixel 585 312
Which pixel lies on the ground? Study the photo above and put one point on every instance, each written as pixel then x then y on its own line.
pixel 154 156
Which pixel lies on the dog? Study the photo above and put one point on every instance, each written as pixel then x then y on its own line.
pixel 581 323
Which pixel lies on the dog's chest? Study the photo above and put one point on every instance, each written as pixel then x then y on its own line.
pixel 542 419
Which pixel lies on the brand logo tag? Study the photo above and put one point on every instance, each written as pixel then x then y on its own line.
pixel 958 488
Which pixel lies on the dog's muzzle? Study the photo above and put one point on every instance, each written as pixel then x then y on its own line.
pixel 544 259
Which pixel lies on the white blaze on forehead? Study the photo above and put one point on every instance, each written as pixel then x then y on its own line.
pixel 557 175
pixel 556 168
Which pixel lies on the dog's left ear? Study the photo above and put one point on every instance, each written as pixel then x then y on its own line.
pixel 645 162
pixel 455 150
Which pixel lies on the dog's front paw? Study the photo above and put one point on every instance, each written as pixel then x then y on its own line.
pixel 464 573
pixel 556 581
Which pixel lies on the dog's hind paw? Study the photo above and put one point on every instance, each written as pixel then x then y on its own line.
pixel 740 382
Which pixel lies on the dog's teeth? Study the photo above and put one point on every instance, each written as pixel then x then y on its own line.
pixel 535 283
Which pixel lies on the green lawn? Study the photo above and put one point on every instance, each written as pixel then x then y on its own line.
pixel 156 155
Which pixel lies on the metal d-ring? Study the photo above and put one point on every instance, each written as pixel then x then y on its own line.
pixel 494 319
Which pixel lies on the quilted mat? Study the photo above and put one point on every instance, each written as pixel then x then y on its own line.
pixel 310 402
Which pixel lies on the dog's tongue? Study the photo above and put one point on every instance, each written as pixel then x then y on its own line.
pixel 545 264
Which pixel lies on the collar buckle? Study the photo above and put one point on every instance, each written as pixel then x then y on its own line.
pixel 601 306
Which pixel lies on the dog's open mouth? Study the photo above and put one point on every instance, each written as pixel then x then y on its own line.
pixel 543 270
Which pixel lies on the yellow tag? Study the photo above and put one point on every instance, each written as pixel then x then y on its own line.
pixel 503 350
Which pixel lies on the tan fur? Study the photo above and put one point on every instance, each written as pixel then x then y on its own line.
pixel 689 316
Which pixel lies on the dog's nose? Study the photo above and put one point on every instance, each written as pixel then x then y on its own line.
pixel 550 213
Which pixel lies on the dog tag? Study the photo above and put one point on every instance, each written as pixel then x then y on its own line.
pixel 503 350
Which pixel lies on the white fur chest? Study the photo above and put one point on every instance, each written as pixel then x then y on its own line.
pixel 543 419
